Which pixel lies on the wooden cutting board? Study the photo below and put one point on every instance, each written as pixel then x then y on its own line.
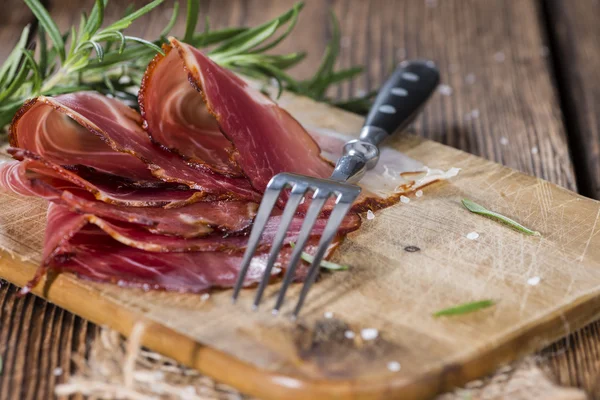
pixel 387 288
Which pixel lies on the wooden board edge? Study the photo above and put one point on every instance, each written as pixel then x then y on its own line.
pixel 269 385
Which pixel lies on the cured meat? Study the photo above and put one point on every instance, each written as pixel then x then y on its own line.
pixel 176 117
pixel 192 220
pixel 105 134
pixel 266 138
pixel 86 250
pixel 107 188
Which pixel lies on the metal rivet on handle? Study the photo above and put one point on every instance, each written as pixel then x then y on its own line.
pixel 398 91
pixel 387 109
pixel 409 76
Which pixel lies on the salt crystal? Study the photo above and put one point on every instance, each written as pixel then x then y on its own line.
pixel 472 235
pixel 503 141
pixel 328 314
pixel 303 200
pixel 534 150
pixel 445 90
pixel 470 79
pixel 475 113
pixel 534 281
pixel 474 384
pixel 349 334
pixel 124 80
pixel 404 199
pixel 393 366
pixel 370 215
pixel 205 297
pixel 57 371
pixel 419 193
pixel 369 333
pixel 499 56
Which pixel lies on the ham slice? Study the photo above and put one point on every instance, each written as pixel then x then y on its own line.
pixel 266 139
pixel 101 251
pixel 192 220
pixel 86 128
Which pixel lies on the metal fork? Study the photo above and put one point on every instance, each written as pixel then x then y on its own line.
pixel 397 104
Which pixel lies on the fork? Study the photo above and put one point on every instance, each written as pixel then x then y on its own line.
pixel 397 104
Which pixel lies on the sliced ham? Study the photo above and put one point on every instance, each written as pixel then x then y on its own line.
pixel 192 220
pixel 176 117
pixel 266 138
pixel 107 188
pixel 86 128
pixel 76 244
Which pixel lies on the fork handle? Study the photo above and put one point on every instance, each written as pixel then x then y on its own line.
pixel 400 99
pixel 397 104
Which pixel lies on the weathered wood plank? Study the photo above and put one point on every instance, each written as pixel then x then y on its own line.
pixel 575 32
pixel 378 35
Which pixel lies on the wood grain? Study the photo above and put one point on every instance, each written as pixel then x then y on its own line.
pixel 37 339
pixel 391 290
pixel 576 32
pixel 462 36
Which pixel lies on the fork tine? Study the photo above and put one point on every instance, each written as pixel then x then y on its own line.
pixel 337 215
pixel 288 213
pixel 319 199
pixel 264 211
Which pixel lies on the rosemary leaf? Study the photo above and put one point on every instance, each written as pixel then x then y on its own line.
pixel 49 26
pixel 172 21
pixel 127 20
pixel 9 68
pixel 94 22
pixel 324 263
pixel 145 43
pixel 464 308
pixel 16 83
pixel 294 18
pixel 43 49
pixel 477 209
pixel 193 7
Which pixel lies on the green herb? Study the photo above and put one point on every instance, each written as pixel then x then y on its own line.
pixel 464 308
pixel 324 263
pixel 477 209
pixel 92 57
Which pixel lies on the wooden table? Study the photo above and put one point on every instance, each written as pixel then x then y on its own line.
pixel 523 89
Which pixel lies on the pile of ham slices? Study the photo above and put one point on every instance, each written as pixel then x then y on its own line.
pixel 165 199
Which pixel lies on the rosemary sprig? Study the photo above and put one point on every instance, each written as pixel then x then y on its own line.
pixel 464 308
pixel 92 57
pixel 324 263
pixel 477 209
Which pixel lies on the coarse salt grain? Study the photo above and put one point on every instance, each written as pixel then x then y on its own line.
pixel 393 366
pixel 499 56
pixel 419 193
pixel 349 334
pixel 470 79
pixel 328 314
pixel 404 199
pixel 57 371
pixel 534 150
pixel 369 333
pixel 370 215
pixel 503 141
pixel 533 281
pixel 472 235
pixel 205 297
pixel 475 113
pixel 445 90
